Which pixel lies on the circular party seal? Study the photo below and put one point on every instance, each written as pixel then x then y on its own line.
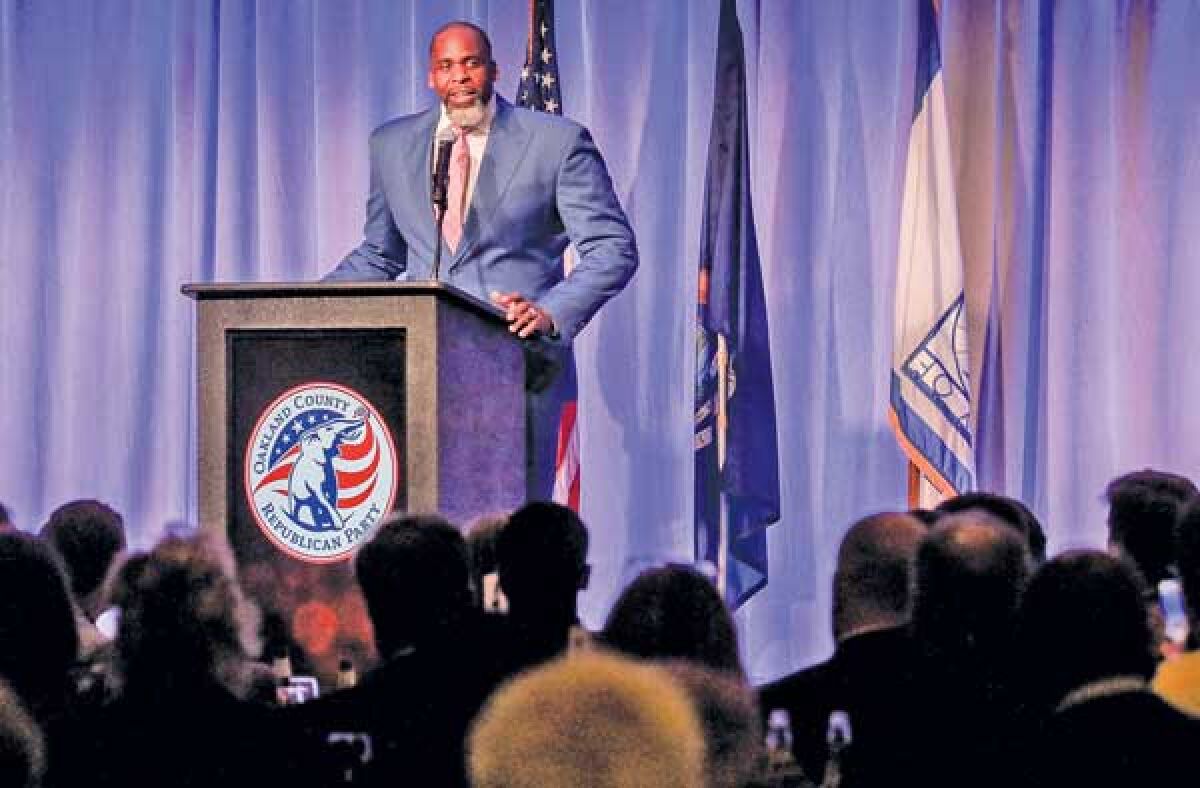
pixel 320 471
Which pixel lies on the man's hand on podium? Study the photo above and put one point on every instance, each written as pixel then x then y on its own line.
pixel 525 318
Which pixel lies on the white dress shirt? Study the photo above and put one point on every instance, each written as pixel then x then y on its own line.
pixel 476 143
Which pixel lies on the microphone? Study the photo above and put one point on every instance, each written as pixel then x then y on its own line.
pixel 441 184
pixel 441 168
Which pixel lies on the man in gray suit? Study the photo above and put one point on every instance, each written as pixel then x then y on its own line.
pixel 534 183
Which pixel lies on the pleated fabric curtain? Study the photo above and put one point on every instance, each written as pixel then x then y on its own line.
pixel 144 145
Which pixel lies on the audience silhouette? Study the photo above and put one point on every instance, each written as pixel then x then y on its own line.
pixel 1088 652
pixel 435 671
pixel 593 721
pixel 674 612
pixel 951 664
pixel 541 559
pixel 870 673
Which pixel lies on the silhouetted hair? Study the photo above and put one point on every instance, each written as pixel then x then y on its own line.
pixel 541 555
pixel 87 535
pixel 1187 540
pixel 970 572
pixel 1144 507
pixel 875 568
pixel 728 711
pixel 481 549
pixel 927 517
pixel 22 749
pixel 1010 510
pixel 5 518
pixel 1083 619
pixel 479 31
pixel 38 640
pixel 594 720
pixel 674 612
pixel 413 575
pixel 184 619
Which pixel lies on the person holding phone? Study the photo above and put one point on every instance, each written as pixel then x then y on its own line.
pixel 1178 679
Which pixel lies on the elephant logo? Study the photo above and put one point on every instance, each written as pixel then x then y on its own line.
pixel 320 472
pixel 312 485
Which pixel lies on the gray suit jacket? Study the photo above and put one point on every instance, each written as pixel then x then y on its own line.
pixel 542 183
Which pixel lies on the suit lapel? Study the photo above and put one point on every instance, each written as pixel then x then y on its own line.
pixel 507 144
pixel 416 162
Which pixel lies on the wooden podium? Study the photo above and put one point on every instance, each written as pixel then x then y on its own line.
pixel 322 407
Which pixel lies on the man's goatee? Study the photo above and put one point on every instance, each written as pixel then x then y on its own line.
pixel 466 117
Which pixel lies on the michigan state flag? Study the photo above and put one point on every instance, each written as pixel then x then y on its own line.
pixel 737 458
pixel 930 391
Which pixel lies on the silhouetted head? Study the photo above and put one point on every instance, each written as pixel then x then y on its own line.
pixel 185 623
pixel 413 575
pixel 87 535
pixel 971 569
pixel 1143 509
pixel 38 640
pixel 1083 619
pixel 541 556
pixel 1009 510
pixel 594 720
pixel 872 583
pixel 674 612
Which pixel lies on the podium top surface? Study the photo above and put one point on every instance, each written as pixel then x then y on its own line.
pixel 246 290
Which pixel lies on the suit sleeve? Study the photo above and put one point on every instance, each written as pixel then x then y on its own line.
pixel 383 254
pixel 600 232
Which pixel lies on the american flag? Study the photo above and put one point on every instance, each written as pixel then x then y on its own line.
pixel 539 89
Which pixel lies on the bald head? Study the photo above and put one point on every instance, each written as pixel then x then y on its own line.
pixel 978 540
pixel 971 568
pixel 461 25
pixel 874 572
pixel 1008 510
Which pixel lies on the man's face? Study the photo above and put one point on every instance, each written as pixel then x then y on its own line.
pixel 461 70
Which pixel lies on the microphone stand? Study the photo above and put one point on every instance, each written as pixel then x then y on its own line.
pixel 439 210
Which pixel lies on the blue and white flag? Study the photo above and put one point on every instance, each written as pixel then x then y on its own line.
pixel 737 457
pixel 930 392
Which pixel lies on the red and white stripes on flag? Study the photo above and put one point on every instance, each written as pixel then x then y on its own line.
pixel 566 459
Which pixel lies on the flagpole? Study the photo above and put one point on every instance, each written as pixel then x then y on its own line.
pixel 721 425
pixel 532 27
pixel 914 485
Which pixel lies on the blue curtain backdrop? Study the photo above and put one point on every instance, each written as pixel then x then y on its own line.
pixel 147 144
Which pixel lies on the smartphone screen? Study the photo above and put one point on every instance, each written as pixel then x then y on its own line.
pixel 1170 600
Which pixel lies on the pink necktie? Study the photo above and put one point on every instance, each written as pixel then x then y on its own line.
pixel 460 164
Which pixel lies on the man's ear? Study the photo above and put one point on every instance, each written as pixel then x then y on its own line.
pixel 585 576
